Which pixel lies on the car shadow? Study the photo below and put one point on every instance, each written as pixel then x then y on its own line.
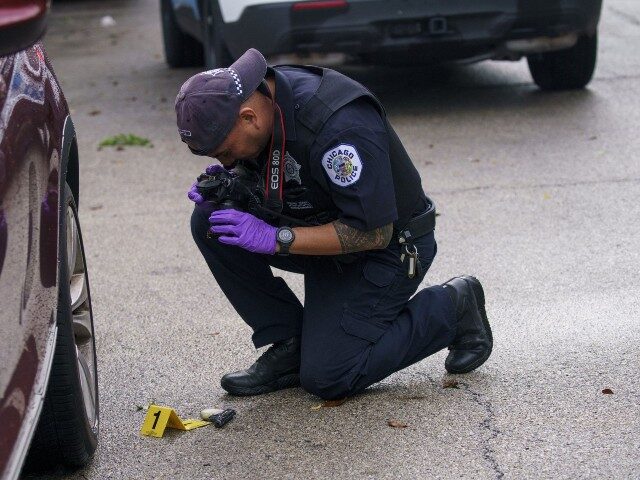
pixel 459 89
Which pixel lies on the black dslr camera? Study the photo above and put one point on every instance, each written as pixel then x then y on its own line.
pixel 238 189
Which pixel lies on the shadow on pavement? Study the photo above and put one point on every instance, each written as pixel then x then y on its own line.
pixel 456 89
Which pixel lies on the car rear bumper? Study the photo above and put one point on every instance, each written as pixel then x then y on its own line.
pixel 436 29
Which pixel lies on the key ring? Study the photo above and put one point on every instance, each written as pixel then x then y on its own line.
pixel 409 252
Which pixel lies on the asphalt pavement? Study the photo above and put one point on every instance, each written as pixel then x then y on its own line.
pixel 538 195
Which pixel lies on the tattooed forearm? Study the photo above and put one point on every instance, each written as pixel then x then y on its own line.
pixel 354 240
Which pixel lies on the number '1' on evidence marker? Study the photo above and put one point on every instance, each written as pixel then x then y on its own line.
pixel 159 418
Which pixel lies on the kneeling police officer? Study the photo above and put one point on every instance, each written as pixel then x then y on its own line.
pixel 343 205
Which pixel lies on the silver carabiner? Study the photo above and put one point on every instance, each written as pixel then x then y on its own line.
pixel 410 252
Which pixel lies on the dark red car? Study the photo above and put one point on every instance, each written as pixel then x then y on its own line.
pixel 48 381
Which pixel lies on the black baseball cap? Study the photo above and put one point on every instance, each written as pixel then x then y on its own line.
pixel 208 103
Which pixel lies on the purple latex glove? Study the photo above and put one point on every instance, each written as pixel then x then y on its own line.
pixel 214 168
pixel 193 194
pixel 243 230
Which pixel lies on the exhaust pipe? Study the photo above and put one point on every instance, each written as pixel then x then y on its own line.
pixel 541 44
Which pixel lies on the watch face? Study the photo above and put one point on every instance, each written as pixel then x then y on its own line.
pixel 285 235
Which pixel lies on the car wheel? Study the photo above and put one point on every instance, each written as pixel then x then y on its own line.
pixel 180 49
pixel 67 431
pixel 565 69
pixel 216 53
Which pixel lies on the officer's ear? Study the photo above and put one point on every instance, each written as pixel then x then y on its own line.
pixel 248 117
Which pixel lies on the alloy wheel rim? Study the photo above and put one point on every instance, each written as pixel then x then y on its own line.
pixel 82 318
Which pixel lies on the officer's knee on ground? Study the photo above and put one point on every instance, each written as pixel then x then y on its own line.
pixel 320 382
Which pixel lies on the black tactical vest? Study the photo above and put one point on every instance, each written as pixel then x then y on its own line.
pixel 337 90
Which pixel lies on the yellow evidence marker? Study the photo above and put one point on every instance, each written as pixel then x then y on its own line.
pixel 159 418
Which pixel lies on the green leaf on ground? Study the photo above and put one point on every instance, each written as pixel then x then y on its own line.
pixel 125 140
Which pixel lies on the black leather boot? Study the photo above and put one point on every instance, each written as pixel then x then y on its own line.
pixel 277 368
pixel 473 342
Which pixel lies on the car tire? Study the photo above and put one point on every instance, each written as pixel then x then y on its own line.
pixel 67 431
pixel 180 49
pixel 216 53
pixel 565 69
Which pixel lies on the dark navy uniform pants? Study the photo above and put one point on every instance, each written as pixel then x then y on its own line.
pixel 357 325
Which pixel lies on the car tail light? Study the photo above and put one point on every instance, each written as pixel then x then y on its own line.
pixel 320 5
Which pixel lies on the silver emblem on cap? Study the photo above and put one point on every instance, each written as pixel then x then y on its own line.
pixel 215 71
pixel 234 75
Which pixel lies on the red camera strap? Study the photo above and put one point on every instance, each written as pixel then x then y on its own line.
pixel 274 174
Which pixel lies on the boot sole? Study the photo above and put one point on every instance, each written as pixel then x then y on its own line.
pixel 478 292
pixel 286 381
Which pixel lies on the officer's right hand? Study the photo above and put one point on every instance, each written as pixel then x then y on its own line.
pixel 214 168
pixel 193 194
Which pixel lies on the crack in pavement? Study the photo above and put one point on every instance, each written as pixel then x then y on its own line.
pixel 422 375
pixel 487 424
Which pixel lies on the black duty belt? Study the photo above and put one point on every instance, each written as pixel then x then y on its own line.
pixel 418 226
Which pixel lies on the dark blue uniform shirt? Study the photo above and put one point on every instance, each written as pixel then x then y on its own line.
pixel 346 171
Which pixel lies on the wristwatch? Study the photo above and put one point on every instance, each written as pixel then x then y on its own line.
pixel 285 237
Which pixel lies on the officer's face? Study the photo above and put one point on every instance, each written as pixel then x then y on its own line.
pixel 246 140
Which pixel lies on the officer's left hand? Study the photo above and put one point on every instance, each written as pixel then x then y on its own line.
pixel 243 230
pixel 193 193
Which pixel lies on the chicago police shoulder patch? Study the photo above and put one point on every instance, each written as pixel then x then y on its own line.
pixel 342 164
